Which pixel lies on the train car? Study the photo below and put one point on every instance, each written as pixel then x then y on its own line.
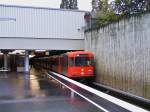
pixel 75 65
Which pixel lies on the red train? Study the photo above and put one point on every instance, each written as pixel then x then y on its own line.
pixel 75 65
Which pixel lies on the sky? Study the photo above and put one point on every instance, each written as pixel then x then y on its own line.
pixel 82 4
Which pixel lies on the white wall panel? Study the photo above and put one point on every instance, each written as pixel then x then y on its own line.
pixel 16 21
pixel 36 43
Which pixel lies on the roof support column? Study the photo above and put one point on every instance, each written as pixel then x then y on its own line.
pixel 5 61
pixel 26 61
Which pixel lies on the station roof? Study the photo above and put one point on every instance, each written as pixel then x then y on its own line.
pixel 51 29
pixel 44 8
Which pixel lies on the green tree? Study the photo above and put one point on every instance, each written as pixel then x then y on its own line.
pixel 103 8
pixel 69 4
pixel 96 5
pixel 64 4
pixel 148 5
pixel 104 14
pixel 73 4
pixel 130 6
pixel 117 9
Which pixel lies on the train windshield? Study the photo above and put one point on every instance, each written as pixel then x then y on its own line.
pixel 83 60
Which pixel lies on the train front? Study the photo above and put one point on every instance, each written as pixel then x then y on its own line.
pixel 81 65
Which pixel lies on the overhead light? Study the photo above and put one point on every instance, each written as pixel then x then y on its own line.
pixel 40 50
pixel 31 56
pixel 17 52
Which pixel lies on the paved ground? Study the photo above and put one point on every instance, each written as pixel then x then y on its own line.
pixel 34 93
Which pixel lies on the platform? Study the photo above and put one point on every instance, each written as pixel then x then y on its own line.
pixel 35 93
pixel 103 101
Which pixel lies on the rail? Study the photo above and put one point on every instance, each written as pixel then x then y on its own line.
pixel 101 100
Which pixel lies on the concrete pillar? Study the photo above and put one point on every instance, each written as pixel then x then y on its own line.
pixel 5 61
pixel 26 61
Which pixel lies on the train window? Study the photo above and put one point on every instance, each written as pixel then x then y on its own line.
pixel 71 61
pixel 83 61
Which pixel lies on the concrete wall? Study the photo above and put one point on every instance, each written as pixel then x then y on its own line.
pixel 122 54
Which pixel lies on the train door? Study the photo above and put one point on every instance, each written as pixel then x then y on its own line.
pixel 65 65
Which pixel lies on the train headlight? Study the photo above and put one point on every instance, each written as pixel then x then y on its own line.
pixel 90 72
pixel 82 73
pixel 82 69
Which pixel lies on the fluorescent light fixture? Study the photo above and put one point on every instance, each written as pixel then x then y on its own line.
pixel 40 50
pixel 17 52
pixel 31 56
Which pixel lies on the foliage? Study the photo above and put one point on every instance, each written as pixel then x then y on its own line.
pixel 69 4
pixel 107 18
pixel 148 5
pixel 108 13
pixel 73 4
pixel 64 4
pixel 129 6
pixel 96 5
pixel 105 15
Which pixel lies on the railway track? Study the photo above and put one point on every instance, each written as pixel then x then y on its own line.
pixel 139 101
